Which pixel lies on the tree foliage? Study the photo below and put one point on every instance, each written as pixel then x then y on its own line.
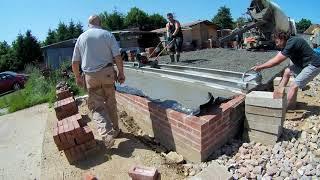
pixel 156 21
pixel 303 25
pixel 63 32
pixel 113 21
pixel 241 21
pixel 136 18
pixel 223 18
pixel 24 50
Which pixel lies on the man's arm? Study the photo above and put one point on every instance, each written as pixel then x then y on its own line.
pixel 119 63
pixel 279 58
pixel 168 30
pixel 76 61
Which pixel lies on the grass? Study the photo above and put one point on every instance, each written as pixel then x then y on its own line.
pixel 38 90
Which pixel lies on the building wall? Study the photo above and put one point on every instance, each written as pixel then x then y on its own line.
pixel 196 35
pixel 55 57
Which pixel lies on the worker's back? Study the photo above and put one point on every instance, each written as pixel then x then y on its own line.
pixel 97 47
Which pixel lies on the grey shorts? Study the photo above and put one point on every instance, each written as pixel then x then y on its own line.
pixel 304 75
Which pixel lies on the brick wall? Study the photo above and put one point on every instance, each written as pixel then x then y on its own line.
pixel 193 137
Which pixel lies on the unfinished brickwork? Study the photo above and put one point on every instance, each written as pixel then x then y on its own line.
pixel 193 137
pixel 265 114
pixel 71 133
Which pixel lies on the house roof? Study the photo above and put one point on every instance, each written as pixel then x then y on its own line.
pixel 187 26
pixel 61 44
pixel 311 28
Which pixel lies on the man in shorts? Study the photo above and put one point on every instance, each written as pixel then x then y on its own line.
pixel 304 65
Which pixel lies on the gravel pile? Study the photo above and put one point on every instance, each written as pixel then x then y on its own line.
pixel 228 59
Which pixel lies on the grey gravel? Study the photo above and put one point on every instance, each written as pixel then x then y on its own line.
pixel 228 59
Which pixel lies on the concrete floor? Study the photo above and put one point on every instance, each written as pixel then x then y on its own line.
pixel 21 137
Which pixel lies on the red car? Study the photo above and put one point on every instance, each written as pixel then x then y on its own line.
pixel 11 81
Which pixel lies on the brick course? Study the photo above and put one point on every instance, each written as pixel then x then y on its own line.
pixel 193 137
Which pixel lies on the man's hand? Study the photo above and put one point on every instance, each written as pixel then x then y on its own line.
pixel 79 81
pixel 121 78
pixel 174 36
pixel 257 68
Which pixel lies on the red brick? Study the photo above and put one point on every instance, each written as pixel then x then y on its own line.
pixel 184 127
pixel 178 130
pixel 176 115
pixel 196 133
pixel 193 138
pixel 69 156
pixel 143 173
pixel 193 122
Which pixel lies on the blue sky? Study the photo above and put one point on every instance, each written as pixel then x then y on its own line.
pixel 17 16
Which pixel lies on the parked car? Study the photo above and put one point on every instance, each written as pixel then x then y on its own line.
pixel 11 81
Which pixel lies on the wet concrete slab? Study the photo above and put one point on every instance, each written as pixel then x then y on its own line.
pixel 170 90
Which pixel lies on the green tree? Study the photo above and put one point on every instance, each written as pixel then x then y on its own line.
pixel 136 18
pixel 4 48
pixel 7 57
pixel 62 32
pixel 78 30
pixel 27 50
pixel 303 25
pixel 51 37
pixel 113 21
pixel 72 30
pixel 223 18
pixel 156 21
pixel 241 21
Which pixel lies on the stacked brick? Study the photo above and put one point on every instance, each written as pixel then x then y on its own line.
pixel 265 114
pixel 70 133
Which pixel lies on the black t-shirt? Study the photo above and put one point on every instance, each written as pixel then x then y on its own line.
pixel 300 53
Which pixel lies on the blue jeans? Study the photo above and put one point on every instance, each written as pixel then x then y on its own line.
pixel 304 75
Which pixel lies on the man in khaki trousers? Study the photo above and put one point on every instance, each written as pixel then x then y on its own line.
pixel 96 50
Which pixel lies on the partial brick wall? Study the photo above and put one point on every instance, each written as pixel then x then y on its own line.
pixel 193 137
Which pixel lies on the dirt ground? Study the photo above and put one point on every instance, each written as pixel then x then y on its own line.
pixel 105 164
pixel 21 136
pixel 228 59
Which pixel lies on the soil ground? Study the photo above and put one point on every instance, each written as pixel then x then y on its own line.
pixel 105 164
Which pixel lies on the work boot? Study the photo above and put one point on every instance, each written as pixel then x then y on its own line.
pixel 116 133
pixel 178 57
pixel 172 58
pixel 108 141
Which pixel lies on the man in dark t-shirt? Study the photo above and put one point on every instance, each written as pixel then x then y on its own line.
pixel 304 65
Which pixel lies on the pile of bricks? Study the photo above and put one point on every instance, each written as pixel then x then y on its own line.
pixel 70 133
pixel 265 114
